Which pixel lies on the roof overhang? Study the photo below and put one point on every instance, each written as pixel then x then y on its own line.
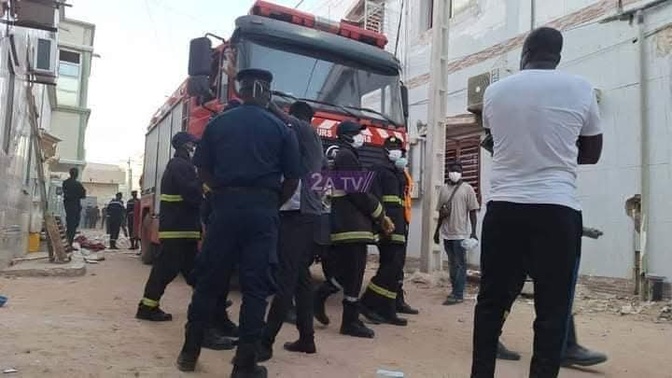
pixel 463 125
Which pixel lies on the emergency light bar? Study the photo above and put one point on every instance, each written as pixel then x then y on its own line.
pixel 293 16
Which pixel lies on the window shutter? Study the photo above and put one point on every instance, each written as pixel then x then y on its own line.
pixel 468 152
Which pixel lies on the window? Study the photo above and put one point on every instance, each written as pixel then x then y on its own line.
pixel 457 6
pixel 468 152
pixel 426 15
pixel 9 107
pixel 69 71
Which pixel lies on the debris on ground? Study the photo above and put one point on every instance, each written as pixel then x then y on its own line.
pixel 10 371
pixel 666 313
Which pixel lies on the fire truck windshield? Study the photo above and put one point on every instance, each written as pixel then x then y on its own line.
pixel 327 79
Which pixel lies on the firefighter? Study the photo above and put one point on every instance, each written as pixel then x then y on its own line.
pixel 250 159
pixel 130 212
pixel 179 233
pixel 402 306
pixel 115 217
pixel 379 301
pixel 353 215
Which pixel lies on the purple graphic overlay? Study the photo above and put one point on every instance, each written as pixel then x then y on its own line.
pixel 346 181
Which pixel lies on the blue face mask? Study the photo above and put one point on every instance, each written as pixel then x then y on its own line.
pixel 401 163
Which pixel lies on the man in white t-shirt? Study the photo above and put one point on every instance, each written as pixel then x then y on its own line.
pixel 543 123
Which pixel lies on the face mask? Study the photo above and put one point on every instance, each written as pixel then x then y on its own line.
pixel 394 155
pixel 358 141
pixel 454 176
pixel 401 163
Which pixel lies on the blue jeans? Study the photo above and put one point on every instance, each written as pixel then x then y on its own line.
pixel 457 261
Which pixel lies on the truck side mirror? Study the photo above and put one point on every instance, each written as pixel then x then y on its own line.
pixel 200 56
pixel 404 100
pixel 199 86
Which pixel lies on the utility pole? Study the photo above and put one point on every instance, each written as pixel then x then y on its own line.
pixel 430 255
pixel 129 178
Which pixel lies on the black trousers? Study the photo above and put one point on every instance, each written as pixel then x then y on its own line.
pixel 114 227
pixel 381 293
pixel 296 251
pixel 175 256
pixel 543 241
pixel 73 216
pixel 349 264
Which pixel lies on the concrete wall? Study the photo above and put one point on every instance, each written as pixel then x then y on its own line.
pixel 17 174
pixel 103 193
pixel 488 34
pixel 65 126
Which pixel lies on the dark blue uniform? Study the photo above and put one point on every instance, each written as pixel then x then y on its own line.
pixel 248 151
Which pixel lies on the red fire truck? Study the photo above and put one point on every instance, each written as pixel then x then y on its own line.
pixel 340 69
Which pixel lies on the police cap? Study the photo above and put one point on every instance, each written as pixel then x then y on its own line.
pixel 349 128
pixel 254 74
pixel 393 143
pixel 182 138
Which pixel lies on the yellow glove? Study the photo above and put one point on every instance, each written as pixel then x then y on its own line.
pixel 387 225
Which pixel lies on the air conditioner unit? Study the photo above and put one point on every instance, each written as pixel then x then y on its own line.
pixel 43 57
pixel 476 86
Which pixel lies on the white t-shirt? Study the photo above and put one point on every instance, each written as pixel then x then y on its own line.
pixel 536 118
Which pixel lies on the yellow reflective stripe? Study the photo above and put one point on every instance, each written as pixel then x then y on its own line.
pixel 398 238
pixel 352 235
pixel 171 198
pixel 150 302
pixel 382 291
pixel 179 235
pixel 206 188
pixel 393 199
pixel 378 212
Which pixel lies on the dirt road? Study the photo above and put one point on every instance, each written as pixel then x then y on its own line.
pixel 84 327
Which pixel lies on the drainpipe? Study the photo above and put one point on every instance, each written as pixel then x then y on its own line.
pixel 644 147
pixel 533 14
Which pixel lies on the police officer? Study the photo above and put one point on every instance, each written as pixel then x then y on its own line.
pixel 299 219
pixel 130 212
pixel 115 214
pixel 353 215
pixel 379 301
pixel 243 157
pixel 179 233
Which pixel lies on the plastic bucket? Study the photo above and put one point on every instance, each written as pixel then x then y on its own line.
pixel 34 242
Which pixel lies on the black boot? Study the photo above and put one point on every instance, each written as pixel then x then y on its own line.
pixel 302 346
pixel 245 363
pixel 191 349
pixel 215 340
pixel 390 314
pixel 113 244
pixel 351 325
pixel 505 354
pixel 265 347
pixel 153 314
pixel 402 306
pixel 319 302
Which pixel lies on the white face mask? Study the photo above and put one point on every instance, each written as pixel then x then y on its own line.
pixel 454 176
pixel 401 163
pixel 358 141
pixel 394 155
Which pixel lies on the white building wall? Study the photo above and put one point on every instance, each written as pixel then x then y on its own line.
pixel 483 38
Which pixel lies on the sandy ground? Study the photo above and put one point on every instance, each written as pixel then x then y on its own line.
pixel 84 327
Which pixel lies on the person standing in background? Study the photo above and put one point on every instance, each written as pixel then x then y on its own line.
pixel 73 193
pixel 103 219
pixel 115 213
pixel 458 208
pixel 130 219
